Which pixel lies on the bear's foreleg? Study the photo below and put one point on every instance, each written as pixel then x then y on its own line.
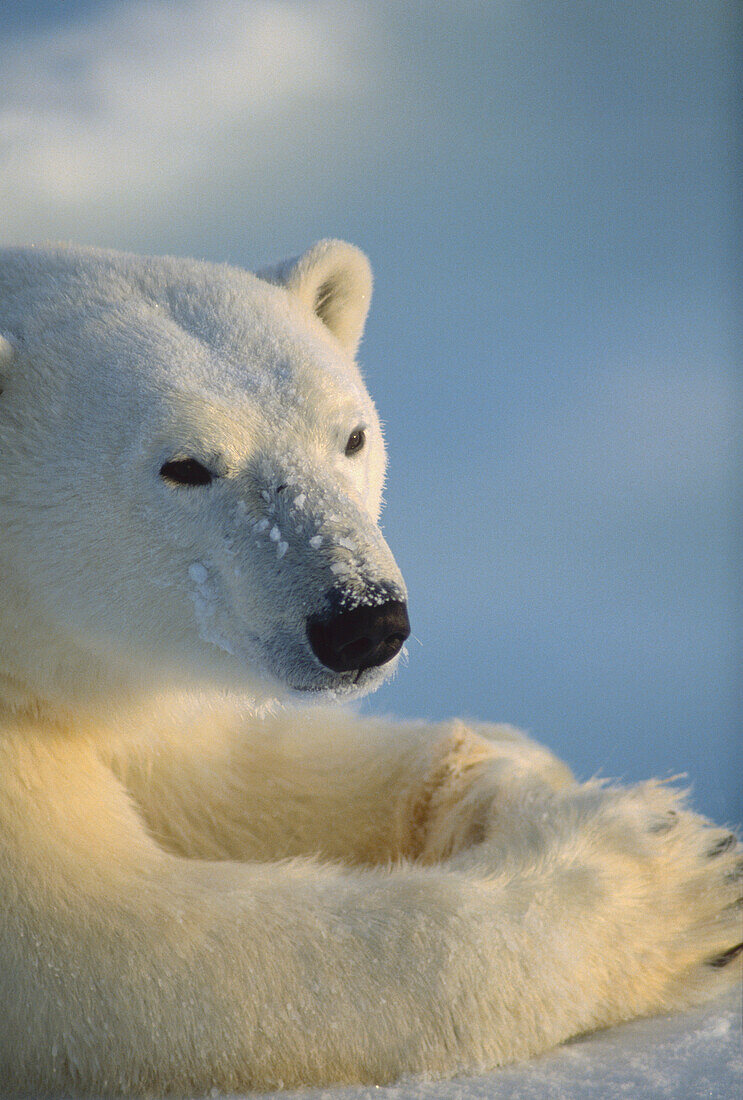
pixel 327 782
pixel 127 969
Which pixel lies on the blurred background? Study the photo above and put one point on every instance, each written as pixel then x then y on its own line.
pixel 547 192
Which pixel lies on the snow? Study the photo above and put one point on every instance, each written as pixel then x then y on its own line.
pixel 197 573
pixel 693 1056
pixel 205 608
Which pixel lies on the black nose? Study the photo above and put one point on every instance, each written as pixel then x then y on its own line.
pixel 362 638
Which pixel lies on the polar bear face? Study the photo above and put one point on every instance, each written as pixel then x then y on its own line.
pixel 191 475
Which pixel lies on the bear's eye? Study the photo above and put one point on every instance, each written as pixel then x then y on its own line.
pixel 186 471
pixel 356 441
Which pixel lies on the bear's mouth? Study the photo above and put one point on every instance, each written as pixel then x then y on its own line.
pixel 296 668
pixel 344 685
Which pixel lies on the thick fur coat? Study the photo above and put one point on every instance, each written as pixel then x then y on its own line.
pixel 206 882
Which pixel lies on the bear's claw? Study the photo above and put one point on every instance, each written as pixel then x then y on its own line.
pixel 737 872
pixel 722 845
pixel 726 957
pixel 666 823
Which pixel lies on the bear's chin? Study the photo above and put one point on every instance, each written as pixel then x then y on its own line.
pixel 339 687
pixel 282 668
pixel 266 687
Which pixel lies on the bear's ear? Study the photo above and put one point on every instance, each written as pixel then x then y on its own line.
pixel 334 280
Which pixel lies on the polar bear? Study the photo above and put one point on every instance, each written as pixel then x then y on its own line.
pixel 208 883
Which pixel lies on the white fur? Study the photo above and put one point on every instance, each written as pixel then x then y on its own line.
pixel 334 280
pixel 203 887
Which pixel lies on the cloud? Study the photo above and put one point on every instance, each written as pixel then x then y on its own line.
pixel 108 116
pixel 162 125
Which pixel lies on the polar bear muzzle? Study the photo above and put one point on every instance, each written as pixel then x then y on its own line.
pixel 365 637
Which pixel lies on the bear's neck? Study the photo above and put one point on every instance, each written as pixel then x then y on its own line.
pixel 50 676
pixel 46 674
pixel 50 697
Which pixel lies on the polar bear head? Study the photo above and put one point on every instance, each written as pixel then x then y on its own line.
pixel 191 472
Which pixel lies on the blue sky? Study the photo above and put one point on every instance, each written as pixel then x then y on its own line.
pixel 547 192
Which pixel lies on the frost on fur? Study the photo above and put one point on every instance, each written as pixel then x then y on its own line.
pixel 209 880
